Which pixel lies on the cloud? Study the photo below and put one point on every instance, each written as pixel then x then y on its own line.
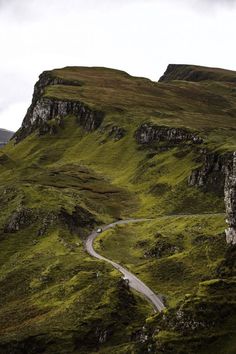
pixel 11 117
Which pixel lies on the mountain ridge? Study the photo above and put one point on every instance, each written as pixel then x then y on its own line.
pixel 196 73
pixel 5 136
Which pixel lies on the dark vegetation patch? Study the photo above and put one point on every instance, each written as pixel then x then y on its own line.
pixel 163 248
pixel 160 189
pixel 79 219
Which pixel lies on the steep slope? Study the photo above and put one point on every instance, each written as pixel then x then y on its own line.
pixel 98 145
pixel 5 136
pixel 196 73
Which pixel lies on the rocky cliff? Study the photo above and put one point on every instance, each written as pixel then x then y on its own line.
pixel 230 201
pixel 211 174
pixel 43 110
pixel 149 133
pixel 218 174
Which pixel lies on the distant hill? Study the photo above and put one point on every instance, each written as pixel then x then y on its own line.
pixel 196 73
pixel 5 136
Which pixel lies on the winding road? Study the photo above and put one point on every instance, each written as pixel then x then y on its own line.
pixel 134 282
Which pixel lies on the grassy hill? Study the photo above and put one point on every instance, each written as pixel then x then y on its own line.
pixel 98 145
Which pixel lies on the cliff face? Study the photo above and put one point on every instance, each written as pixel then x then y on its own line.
pixel 211 175
pixel 218 174
pixel 230 201
pixel 148 133
pixel 42 110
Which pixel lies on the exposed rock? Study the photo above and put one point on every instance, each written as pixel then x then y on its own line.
pixel 43 110
pixel 211 175
pixel 230 201
pixel 113 132
pixel 49 220
pixel 227 268
pixel 218 174
pixel 79 219
pixel 19 220
pixel 102 335
pixel 46 79
pixel 149 133
pixel 117 133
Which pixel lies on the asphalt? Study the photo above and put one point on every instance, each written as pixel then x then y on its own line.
pixel 134 282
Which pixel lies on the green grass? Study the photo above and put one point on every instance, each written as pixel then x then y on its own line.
pixel 208 106
pixel 196 246
pixel 56 298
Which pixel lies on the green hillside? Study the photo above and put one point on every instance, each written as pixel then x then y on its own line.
pixel 98 145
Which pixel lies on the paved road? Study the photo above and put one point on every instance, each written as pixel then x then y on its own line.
pixel 134 282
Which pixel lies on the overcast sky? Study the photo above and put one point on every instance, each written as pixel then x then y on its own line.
pixel 139 36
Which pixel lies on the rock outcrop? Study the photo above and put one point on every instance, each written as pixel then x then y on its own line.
pixel 218 174
pixel 230 201
pixel 149 133
pixel 211 175
pixel 19 220
pixel 117 133
pixel 43 110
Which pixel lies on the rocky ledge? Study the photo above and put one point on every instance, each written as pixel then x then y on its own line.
pixel 149 133
pixel 43 110
pixel 230 201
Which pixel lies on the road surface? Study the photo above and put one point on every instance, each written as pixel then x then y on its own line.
pixel 134 282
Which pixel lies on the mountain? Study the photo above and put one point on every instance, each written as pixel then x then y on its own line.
pixel 98 145
pixel 196 73
pixel 5 136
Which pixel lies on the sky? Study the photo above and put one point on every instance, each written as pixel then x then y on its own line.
pixel 139 36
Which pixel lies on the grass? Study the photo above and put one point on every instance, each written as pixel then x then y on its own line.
pixel 47 281
pixel 54 297
pixel 205 106
pixel 193 251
